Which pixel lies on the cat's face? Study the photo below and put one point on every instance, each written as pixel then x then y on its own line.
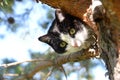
pixel 66 34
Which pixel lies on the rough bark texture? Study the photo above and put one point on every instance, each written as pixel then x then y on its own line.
pixel 113 13
pixel 109 29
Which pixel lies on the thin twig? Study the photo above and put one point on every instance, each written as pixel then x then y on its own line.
pixel 49 73
pixel 10 74
pixel 17 63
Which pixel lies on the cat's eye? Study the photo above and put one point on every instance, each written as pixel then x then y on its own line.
pixel 62 44
pixel 72 31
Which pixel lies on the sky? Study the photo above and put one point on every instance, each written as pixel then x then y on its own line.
pixel 17 45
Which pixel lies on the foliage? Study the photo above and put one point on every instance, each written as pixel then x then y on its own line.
pixel 6 5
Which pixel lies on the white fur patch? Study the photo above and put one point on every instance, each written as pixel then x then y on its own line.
pixel 82 35
pixel 65 37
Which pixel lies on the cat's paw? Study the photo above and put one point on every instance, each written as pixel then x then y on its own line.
pixel 94 50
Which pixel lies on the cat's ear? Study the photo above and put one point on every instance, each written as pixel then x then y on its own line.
pixel 59 15
pixel 45 38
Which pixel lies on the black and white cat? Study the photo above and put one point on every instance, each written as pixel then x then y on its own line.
pixel 68 34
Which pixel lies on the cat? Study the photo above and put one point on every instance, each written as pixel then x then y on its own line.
pixel 68 34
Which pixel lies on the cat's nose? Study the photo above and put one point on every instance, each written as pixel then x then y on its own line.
pixel 75 43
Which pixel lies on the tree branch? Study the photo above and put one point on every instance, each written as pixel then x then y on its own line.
pixel 78 56
pixel 74 7
pixel 17 63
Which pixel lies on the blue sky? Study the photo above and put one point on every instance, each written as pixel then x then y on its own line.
pixel 16 45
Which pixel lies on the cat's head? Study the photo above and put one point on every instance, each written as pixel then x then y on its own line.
pixel 66 33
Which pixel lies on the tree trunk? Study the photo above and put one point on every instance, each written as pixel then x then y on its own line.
pixel 109 29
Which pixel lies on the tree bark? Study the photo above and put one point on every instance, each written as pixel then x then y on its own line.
pixel 109 29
